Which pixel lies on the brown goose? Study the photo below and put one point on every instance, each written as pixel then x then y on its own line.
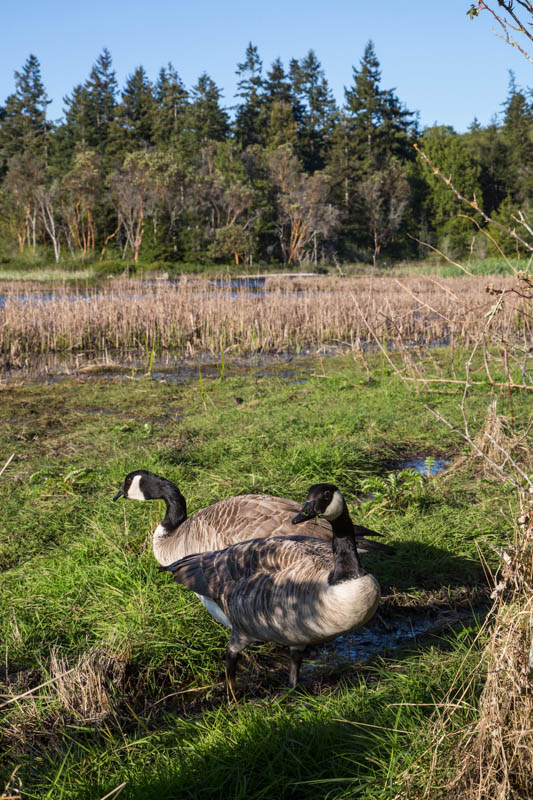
pixel 226 522
pixel 293 590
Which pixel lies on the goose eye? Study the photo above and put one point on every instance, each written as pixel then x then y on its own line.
pixel 327 495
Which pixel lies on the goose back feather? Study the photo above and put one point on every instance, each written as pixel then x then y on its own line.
pixel 277 590
pixel 226 522
pixel 251 516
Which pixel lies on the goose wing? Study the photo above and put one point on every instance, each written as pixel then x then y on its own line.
pixel 253 516
pixel 257 516
pixel 217 574
pixel 277 590
pixel 260 515
pixel 365 546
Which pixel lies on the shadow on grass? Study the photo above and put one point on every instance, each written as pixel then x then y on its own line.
pixel 339 735
pixel 297 749
pixel 420 568
pixel 347 740
pixel 287 758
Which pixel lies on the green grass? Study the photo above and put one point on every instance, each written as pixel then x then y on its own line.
pixel 485 266
pixel 445 269
pixel 43 269
pixel 350 740
pixel 79 582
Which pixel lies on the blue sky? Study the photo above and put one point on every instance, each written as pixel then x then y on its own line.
pixel 443 65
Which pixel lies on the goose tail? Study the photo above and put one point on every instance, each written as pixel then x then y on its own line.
pixel 360 530
pixel 189 572
pixel 369 546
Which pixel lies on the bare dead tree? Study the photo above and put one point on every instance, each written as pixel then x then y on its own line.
pixel 80 188
pixel 385 194
pixel 48 206
pixel 304 211
pixel 172 188
pixel 133 194
pixel 25 173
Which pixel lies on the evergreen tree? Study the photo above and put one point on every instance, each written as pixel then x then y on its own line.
pixel 90 111
pixel 342 167
pixel 380 125
pixel 281 127
pixel 171 101
pixel 281 109
pixel 449 151
pixel 247 125
pixel 365 107
pixel 373 128
pixel 205 119
pixel 102 88
pixel 78 117
pixel 23 125
pixel 518 138
pixel 277 87
pixel 488 150
pixel 318 110
pixel 136 112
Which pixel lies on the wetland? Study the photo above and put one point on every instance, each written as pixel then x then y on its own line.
pixel 111 676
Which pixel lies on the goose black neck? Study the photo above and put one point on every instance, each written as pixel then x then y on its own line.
pixel 346 559
pixel 176 507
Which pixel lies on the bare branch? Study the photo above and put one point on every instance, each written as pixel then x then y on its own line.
pixel 472 203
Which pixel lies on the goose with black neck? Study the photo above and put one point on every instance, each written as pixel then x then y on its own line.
pixel 226 522
pixel 292 590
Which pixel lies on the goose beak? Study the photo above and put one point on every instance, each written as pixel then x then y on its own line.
pixel 308 512
pixel 120 493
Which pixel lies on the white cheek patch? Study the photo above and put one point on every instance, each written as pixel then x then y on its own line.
pixel 135 492
pixel 336 506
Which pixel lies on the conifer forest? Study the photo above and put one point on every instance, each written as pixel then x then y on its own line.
pixel 280 174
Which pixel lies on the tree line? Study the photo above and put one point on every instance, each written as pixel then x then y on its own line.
pixel 157 171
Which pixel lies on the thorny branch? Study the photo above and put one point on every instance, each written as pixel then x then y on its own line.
pixel 512 355
pixel 473 203
pixel 517 27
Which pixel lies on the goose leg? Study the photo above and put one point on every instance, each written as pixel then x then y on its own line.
pixel 297 655
pixel 236 644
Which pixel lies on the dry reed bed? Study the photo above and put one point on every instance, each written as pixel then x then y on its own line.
pixel 289 314
pixel 493 758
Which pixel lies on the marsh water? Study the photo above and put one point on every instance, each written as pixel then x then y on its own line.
pixel 117 365
pixel 397 632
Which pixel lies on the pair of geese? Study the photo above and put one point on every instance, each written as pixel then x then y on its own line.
pixel 242 559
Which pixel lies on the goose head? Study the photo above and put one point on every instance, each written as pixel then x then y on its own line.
pixel 323 500
pixel 141 484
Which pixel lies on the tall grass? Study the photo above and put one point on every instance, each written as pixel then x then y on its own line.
pixel 198 314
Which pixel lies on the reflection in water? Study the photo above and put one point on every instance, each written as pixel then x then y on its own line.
pixel 54 367
pixel 428 465
pixel 378 637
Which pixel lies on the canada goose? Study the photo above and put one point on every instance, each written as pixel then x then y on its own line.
pixel 226 522
pixel 293 590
